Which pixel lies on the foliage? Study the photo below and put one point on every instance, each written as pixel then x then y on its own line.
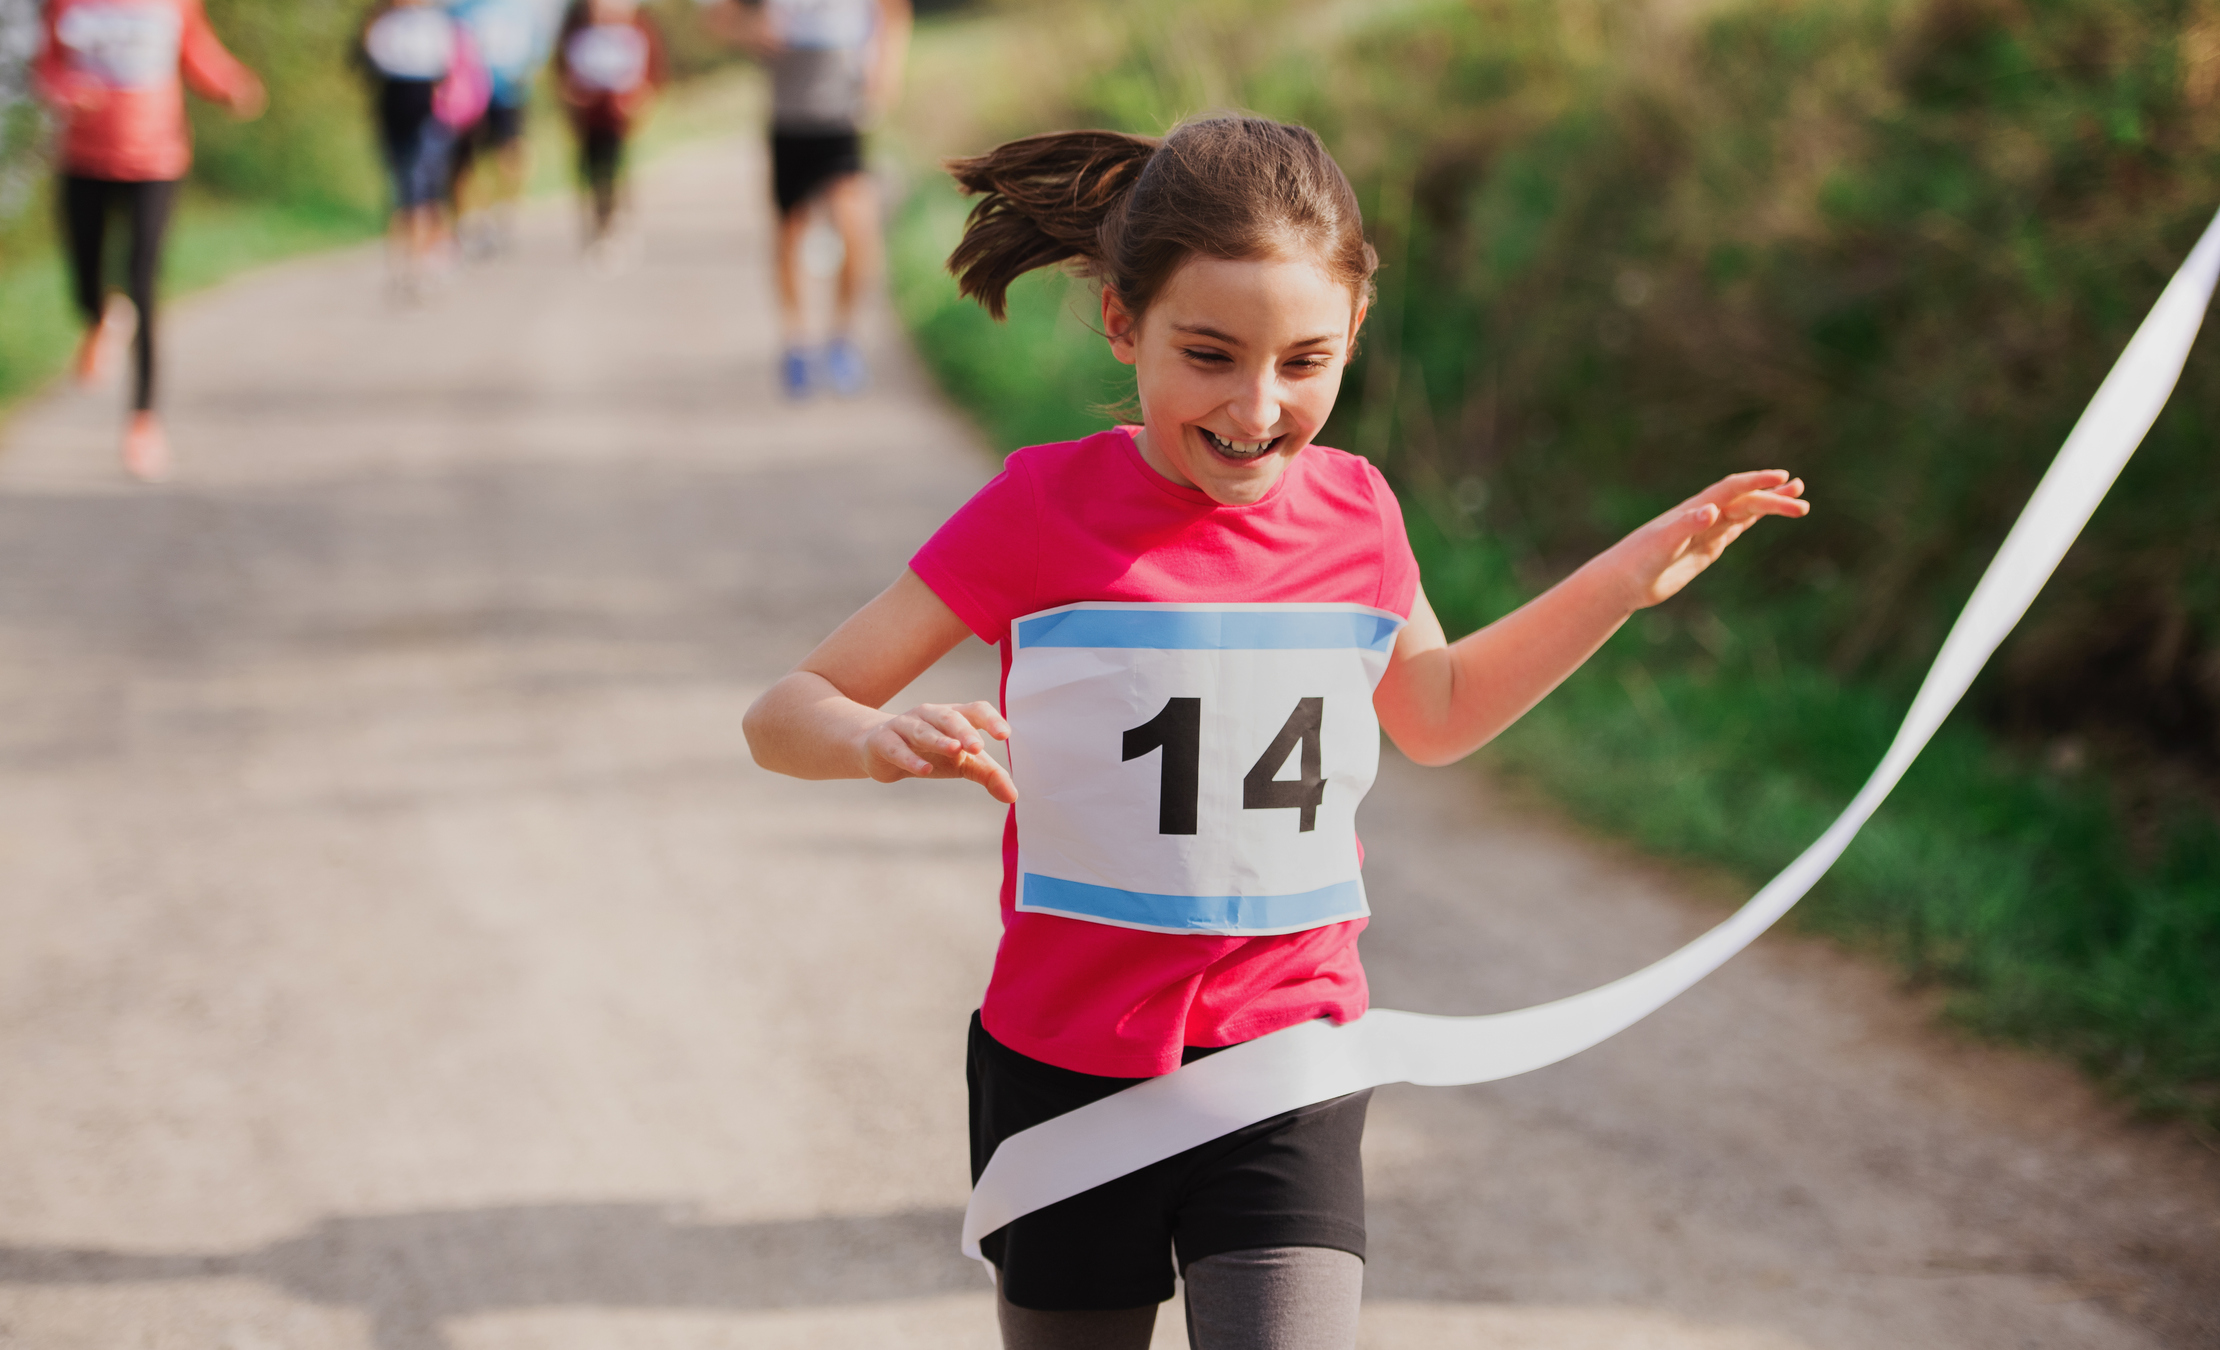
pixel 1892 244
pixel 312 149
pixel 21 126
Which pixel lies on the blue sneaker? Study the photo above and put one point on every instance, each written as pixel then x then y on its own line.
pixel 794 373
pixel 844 368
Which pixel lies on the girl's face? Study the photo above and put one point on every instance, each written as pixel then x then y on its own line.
pixel 1238 364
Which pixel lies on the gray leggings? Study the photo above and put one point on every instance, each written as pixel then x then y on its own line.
pixel 1271 1298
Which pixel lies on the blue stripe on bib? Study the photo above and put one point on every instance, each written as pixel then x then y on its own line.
pixel 1256 914
pixel 1211 629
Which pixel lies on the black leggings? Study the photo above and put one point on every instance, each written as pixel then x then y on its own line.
pixel 600 161
pixel 86 204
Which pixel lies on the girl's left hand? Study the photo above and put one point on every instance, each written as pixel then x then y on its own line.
pixel 248 101
pixel 1666 554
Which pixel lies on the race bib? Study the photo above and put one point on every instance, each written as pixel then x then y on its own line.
pixel 825 25
pixel 124 46
pixel 417 43
pixel 611 57
pixel 1194 768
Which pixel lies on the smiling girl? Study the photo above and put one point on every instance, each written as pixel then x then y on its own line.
pixel 1206 621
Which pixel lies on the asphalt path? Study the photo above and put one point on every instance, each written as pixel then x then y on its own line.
pixel 402 953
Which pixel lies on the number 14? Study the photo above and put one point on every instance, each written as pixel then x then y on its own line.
pixel 1177 731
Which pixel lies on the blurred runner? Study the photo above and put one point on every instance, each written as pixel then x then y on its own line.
pixel 115 72
pixel 429 83
pixel 512 37
pixel 608 65
pixel 834 65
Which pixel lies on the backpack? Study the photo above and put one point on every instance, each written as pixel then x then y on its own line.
pixel 462 96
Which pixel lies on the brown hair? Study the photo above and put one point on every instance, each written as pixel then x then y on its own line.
pixel 1130 210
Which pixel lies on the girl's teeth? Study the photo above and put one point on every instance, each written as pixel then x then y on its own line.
pixel 1238 449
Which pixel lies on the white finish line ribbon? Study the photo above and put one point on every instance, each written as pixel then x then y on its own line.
pixel 1316 1061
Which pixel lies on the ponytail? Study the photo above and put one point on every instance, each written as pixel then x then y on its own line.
pixel 1130 210
pixel 1044 200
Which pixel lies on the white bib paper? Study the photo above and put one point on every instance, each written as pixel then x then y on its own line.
pixel 1188 768
pixel 824 25
pixel 611 57
pixel 417 43
pixel 1315 1061
pixel 124 46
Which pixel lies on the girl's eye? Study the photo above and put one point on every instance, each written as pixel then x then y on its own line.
pixel 1207 354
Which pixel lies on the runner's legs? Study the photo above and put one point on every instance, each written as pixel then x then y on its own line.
pixel 1275 1298
pixel 1270 1298
pixel 854 204
pixel 1027 1329
pixel 149 207
pixel 85 228
pixel 600 161
pixel 84 220
pixel 786 258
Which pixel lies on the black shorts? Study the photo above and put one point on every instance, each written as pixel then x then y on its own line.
pixel 1295 1180
pixel 805 163
pixel 502 125
pixel 600 153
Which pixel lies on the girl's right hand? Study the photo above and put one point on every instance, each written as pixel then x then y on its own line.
pixel 940 740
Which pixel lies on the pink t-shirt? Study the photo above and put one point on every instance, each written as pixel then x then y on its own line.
pixel 1090 520
pixel 113 68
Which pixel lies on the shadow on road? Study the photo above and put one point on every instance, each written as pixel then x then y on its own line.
pixel 410 1274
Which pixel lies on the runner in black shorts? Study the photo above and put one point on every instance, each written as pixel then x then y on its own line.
pixel 832 63
pixel 805 163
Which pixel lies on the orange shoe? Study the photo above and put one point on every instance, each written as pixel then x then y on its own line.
pixel 101 339
pixel 92 354
pixel 146 449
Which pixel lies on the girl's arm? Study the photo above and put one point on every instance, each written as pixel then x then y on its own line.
pixel 1440 701
pixel 823 720
pixel 214 73
pixel 883 89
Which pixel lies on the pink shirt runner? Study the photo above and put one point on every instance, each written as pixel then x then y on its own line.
pixel 115 70
pixel 1089 520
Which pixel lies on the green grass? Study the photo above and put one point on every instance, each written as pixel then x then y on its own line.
pixel 2018 889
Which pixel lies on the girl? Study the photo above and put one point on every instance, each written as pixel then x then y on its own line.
pixel 1205 622
pixel 115 72
pixel 608 65
pixel 428 82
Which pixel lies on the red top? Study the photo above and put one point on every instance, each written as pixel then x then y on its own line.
pixel 112 68
pixel 1090 520
pixel 607 72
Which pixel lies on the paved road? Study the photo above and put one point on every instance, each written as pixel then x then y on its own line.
pixel 402 953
